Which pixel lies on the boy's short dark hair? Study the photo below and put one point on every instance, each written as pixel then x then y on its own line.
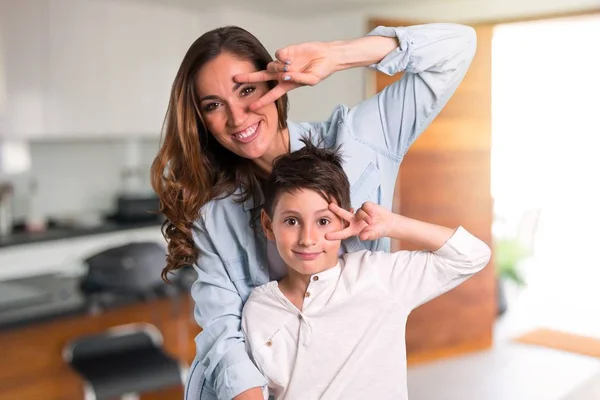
pixel 313 168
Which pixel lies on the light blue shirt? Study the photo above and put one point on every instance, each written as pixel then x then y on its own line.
pixel 374 136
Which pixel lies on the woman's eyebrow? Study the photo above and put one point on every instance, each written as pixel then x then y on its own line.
pixel 236 86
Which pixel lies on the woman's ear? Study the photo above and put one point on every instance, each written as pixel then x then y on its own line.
pixel 265 221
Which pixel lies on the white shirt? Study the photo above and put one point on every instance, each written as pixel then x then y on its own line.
pixel 349 339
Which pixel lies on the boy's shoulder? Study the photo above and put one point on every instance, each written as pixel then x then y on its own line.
pixel 261 293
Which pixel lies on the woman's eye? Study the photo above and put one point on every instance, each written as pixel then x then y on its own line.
pixel 248 90
pixel 291 221
pixel 324 221
pixel 211 106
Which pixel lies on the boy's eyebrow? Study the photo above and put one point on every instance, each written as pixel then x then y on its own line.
pixel 297 212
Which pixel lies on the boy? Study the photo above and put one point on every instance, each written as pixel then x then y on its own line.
pixel 334 327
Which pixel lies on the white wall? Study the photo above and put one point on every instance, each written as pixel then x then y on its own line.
pixel 91 185
pixel 311 103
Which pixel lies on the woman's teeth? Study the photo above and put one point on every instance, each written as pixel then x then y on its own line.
pixel 247 133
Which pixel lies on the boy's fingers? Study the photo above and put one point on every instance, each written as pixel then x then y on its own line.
pixel 368 235
pixel 340 212
pixel 338 235
pixel 362 215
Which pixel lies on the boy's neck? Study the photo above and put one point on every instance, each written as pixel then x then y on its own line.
pixel 294 286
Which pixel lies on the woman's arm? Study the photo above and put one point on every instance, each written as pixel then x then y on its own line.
pixel 435 58
pixel 220 348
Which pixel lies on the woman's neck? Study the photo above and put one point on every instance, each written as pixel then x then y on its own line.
pixel 279 146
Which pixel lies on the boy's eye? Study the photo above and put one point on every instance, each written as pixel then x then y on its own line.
pixel 291 221
pixel 324 221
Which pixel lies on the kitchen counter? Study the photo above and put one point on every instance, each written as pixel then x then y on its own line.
pixel 56 232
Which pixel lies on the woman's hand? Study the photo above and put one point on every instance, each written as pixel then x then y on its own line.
pixel 370 222
pixel 304 64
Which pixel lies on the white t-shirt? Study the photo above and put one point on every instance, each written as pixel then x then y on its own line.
pixel 348 342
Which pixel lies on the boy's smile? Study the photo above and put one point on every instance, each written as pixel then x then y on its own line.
pixel 300 221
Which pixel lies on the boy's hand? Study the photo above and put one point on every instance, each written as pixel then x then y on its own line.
pixel 370 222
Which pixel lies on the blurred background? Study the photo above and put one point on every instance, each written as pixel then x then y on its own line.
pixel 84 86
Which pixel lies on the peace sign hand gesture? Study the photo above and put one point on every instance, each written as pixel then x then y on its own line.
pixel 370 222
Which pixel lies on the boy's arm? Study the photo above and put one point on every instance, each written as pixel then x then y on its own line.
pixel 373 221
pixel 422 234
pixel 448 257
pixel 416 277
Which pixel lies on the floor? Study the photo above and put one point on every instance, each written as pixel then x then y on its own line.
pixel 508 372
pixel 514 371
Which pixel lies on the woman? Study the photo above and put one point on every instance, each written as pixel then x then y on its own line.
pixel 227 121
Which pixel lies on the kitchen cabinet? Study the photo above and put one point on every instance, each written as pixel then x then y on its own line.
pixel 90 69
pixel 76 88
pixel 23 28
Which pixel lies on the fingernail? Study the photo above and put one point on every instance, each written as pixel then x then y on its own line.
pixel 288 62
pixel 285 68
pixel 287 78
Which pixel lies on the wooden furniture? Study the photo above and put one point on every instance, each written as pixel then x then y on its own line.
pixel 445 179
pixel 31 364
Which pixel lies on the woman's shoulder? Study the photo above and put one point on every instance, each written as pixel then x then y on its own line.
pixel 323 133
pixel 226 208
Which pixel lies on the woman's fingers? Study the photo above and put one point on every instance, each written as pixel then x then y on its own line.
pixel 292 77
pixel 284 55
pixel 268 98
pixel 259 76
pixel 277 66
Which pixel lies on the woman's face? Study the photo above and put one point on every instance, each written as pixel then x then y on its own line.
pixel 225 108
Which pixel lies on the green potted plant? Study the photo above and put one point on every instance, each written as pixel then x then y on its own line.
pixel 508 253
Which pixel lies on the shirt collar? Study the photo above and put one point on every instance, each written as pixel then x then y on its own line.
pixel 328 274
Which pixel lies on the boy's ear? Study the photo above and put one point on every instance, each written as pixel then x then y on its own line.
pixel 265 221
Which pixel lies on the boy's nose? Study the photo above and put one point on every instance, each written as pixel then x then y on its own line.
pixel 307 237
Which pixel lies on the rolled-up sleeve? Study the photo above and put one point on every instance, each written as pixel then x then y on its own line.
pixel 435 58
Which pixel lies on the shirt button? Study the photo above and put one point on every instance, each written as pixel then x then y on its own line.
pixel 269 343
pixel 307 294
pixel 315 278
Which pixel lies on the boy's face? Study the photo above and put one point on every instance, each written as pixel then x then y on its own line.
pixel 300 221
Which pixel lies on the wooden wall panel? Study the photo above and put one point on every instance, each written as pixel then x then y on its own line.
pixel 445 179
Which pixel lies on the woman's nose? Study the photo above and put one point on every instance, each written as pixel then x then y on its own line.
pixel 238 112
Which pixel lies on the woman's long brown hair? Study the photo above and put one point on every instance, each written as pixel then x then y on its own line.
pixel 191 167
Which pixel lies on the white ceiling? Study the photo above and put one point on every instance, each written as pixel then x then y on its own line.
pixel 422 10
pixel 291 7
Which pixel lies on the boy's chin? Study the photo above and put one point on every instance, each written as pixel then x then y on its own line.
pixel 312 267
